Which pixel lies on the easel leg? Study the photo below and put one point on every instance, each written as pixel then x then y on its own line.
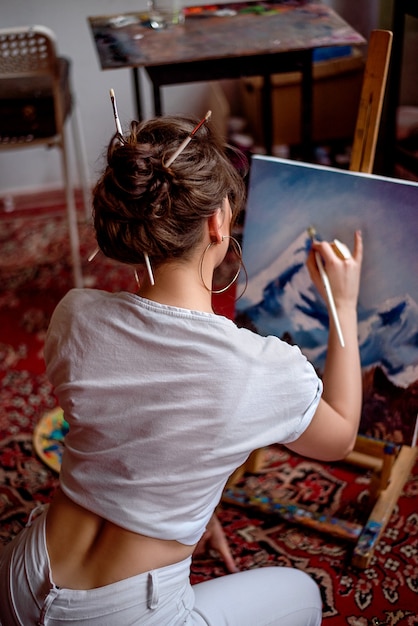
pixel 383 508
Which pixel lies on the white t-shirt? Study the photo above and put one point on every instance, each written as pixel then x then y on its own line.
pixel 164 404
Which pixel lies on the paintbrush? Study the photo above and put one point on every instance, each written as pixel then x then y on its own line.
pixel 327 287
pixel 187 140
pixel 115 111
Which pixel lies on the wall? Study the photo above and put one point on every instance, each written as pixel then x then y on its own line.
pixel 362 15
pixel 39 168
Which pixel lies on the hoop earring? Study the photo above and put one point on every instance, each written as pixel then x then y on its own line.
pixel 138 282
pixel 238 251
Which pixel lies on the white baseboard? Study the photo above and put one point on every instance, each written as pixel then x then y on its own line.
pixel 35 198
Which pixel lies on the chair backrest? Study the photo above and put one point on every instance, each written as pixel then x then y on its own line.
pixel 35 95
pixel 28 50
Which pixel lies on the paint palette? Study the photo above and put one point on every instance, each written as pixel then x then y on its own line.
pixel 48 438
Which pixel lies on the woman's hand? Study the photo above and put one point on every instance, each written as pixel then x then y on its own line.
pixel 343 274
pixel 214 537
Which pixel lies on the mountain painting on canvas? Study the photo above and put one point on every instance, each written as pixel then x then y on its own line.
pixel 285 198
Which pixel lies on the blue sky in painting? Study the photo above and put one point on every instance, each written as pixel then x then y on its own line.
pixel 286 197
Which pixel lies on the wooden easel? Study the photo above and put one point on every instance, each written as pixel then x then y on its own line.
pixel 390 464
pixel 371 101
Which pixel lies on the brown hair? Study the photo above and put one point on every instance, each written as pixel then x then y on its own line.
pixel 140 206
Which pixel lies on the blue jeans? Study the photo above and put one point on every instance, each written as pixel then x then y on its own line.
pixel 162 597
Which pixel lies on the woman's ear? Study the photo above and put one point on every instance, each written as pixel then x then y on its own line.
pixel 215 223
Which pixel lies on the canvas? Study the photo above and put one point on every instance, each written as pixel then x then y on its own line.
pixel 284 199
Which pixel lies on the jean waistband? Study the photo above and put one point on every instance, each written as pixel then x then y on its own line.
pixel 145 588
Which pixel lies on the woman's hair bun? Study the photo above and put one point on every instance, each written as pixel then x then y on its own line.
pixel 141 206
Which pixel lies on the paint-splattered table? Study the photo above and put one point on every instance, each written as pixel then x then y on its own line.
pixel 225 41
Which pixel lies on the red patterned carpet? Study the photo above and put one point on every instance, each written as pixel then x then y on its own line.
pixel 34 275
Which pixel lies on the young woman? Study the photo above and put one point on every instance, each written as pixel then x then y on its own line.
pixel 165 400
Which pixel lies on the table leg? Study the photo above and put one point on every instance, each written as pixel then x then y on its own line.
pixel 267 113
pixel 137 93
pixel 307 106
pixel 157 99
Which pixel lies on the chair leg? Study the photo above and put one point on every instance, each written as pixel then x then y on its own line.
pixel 81 158
pixel 71 215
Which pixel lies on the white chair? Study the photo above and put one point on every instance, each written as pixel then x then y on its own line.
pixel 36 101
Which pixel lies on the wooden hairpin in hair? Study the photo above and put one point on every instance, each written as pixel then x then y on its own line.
pixel 119 130
pixel 187 140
